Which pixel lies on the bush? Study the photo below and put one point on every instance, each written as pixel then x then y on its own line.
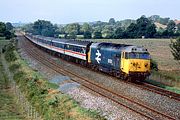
pixel 10 55
pixel 14 66
pixel 154 65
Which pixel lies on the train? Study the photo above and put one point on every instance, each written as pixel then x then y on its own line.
pixel 127 62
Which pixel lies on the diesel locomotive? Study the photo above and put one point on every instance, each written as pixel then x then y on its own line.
pixel 127 62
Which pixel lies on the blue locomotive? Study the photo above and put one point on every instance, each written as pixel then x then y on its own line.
pixel 121 60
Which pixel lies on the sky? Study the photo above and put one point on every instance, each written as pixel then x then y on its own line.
pixel 70 11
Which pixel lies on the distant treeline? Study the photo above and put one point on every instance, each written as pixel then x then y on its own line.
pixel 6 30
pixel 141 28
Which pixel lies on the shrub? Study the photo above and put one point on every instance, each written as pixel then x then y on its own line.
pixel 154 65
pixel 10 55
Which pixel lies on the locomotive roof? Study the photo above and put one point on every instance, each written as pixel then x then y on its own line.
pixel 59 40
pixel 65 41
pixel 78 43
pixel 119 47
pixel 136 49
pixel 110 45
pixel 72 42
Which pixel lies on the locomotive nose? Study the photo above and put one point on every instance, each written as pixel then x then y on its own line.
pixel 138 66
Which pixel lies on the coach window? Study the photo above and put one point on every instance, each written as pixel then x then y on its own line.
pixel 83 50
pixel 67 46
pixel 56 44
pixel 75 48
pixel 78 49
pixel 60 45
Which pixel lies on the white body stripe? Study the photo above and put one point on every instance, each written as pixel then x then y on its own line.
pixel 68 52
pixel 75 55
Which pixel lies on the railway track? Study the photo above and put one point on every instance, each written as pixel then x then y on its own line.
pixel 159 90
pixel 139 108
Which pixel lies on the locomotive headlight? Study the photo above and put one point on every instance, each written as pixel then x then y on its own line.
pixel 146 65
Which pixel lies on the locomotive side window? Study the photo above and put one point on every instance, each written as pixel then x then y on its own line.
pixel 144 56
pixel 122 55
pixel 126 55
pixel 135 55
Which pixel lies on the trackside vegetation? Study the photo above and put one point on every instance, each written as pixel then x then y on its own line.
pixel 8 110
pixel 175 49
pixel 44 96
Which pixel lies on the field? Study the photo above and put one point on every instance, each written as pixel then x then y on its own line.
pixel 158 48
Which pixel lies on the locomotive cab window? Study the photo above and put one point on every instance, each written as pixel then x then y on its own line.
pixel 135 55
pixel 123 54
pixel 126 55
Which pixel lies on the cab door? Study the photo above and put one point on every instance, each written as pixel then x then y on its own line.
pixel 122 60
pixel 125 63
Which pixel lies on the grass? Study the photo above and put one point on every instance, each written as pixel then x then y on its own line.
pixel 44 96
pixel 159 84
pixel 8 108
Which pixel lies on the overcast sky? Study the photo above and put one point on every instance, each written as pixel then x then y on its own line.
pixel 69 11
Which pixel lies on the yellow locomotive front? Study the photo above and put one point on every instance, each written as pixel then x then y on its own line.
pixel 135 62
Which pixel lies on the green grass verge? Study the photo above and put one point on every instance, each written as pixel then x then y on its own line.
pixel 8 108
pixel 161 85
pixel 44 96
pixel 171 75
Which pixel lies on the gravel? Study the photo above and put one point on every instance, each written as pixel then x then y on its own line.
pixel 158 102
pixel 84 97
pixel 101 104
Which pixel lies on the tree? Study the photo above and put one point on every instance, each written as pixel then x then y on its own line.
pixel 118 33
pixel 175 47
pixel 9 26
pixel 170 30
pixel 8 34
pixel 164 21
pixel 107 32
pixel 177 33
pixel 112 21
pixel 150 31
pixel 178 27
pixel 6 30
pixel 132 30
pixel 87 30
pixel 2 29
pixel 28 28
pixel 61 29
pixel 97 35
pixel 87 35
pixel 86 27
pixel 157 18
pixel 72 30
pixel 45 28
pixel 143 27
pixel 171 26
